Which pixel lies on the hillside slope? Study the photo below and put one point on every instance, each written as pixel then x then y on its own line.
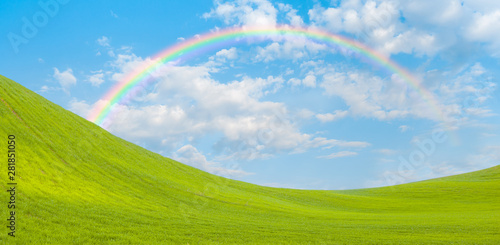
pixel 78 184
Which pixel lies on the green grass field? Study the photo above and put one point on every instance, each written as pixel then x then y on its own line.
pixel 79 184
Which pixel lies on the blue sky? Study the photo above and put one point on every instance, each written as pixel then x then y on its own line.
pixel 290 113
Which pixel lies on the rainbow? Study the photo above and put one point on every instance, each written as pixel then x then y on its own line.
pixel 123 90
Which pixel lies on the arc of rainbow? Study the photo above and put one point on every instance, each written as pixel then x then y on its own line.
pixel 120 91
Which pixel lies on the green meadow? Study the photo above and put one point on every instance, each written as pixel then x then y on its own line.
pixel 79 184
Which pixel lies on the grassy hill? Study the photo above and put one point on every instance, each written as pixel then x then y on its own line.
pixel 78 184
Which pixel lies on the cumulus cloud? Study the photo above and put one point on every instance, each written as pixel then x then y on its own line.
pixel 96 79
pixel 370 96
pixel 125 63
pixel 376 23
pixel 294 81
pixel 263 13
pixel 291 14
pixel 308 81
pixel 289 48
pixel 442 13
pixel 66 78
pixel 482 5
pixel 80 107
pixel 415 27
pixel 455 95
pixel 481 29
pixel 245 12
pixel 329 117
pixel 187 104
pixel 227 54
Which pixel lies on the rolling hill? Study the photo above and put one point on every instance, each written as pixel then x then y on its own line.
pixel 79 184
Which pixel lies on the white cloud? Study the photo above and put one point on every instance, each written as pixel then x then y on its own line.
pixel 81 108
pixel 423 27
pixel 482 28
pixel 291 14
pixel 442 13
pixel 339 154
pixel 468 90
pixel 113 14
pixel 391 27
pixel 376 23
pixel 188 154
pixel 44 89
pixel 329 18
pixel 96 79
pixel 269 53
pixel 372 97
pixel 66 78
pixel 229 54
pixel 456 96
pixel 254 13
pixel 409 42
pixel 126 63
pixel 309 81
pixel 289 48
pixel 416 27
pixel 294 81
pixel 329 117
pixel 482 5
pixel 245 13
pixel 183 109
pixel 103 41
pixel 187 104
